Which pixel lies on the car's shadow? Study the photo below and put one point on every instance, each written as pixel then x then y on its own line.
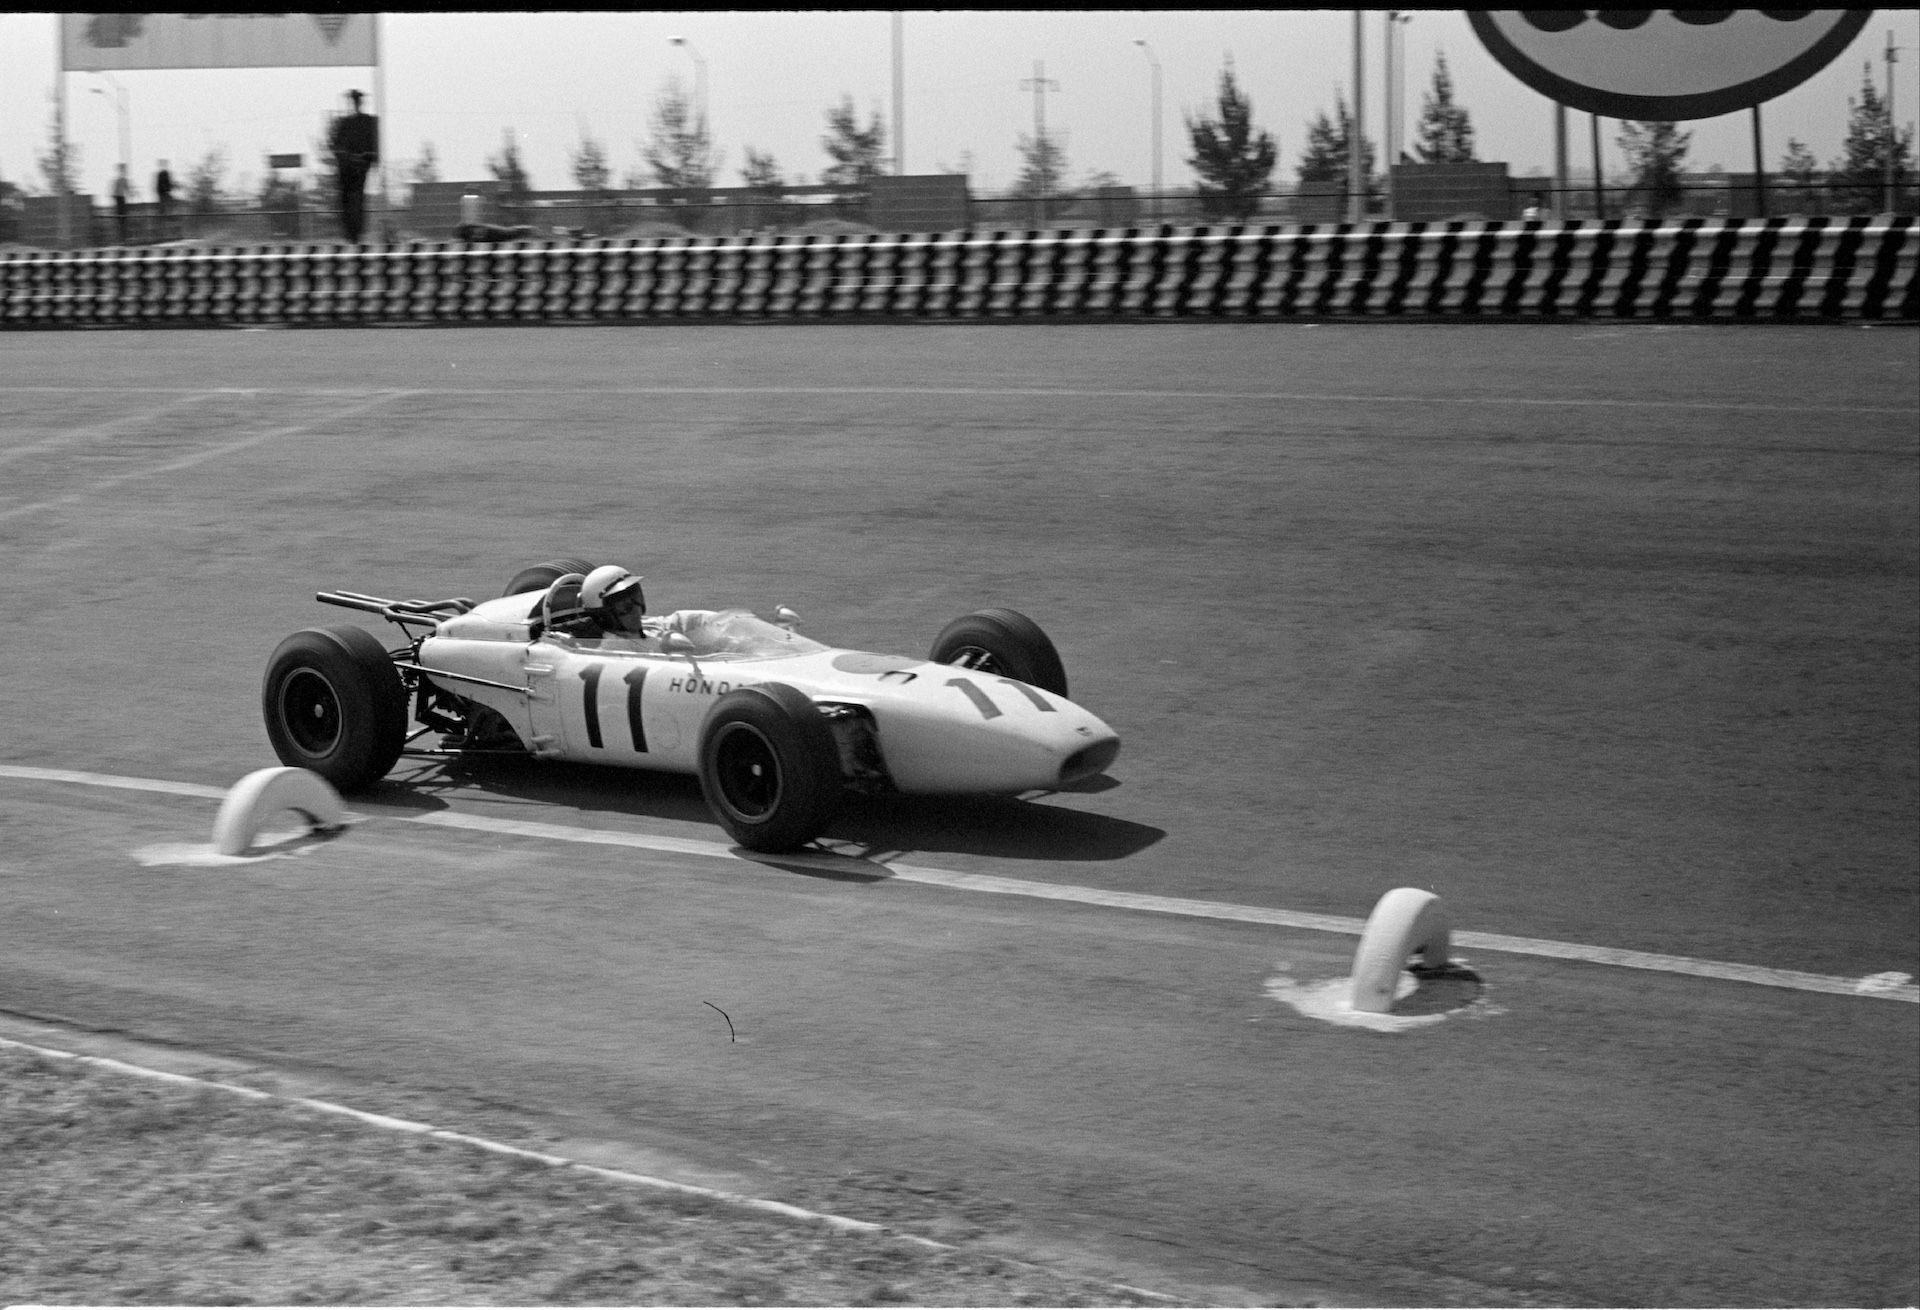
pixel 1032 827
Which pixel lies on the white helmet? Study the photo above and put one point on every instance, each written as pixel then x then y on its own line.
pixel 607 586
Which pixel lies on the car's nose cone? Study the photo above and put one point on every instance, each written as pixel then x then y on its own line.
pixel 974 733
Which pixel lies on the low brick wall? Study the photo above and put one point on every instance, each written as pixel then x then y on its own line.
pixel 1779 269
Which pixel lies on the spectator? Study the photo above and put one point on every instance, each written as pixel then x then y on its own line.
pixel 355 142
pixel 163 194
pixel 122 194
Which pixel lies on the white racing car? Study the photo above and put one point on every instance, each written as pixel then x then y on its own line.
pixel 774 724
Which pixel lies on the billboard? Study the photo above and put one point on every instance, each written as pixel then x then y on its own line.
pixel 96 42
pixel 1663 65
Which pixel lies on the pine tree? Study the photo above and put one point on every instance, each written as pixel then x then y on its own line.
pixel 1798 171
pixel 1861 169
pixel 61 161
pixel 427 167
pixel 1325 158
pixel 680 152
pixel 507 168
pixel 10 209
pixel 589 164
pixel 1445 133
pixel 1043 165
pixel 323 179
pixel 858 153
pixel 1234 160
pixel 762 173
pixel 1655 152
pixel 205 182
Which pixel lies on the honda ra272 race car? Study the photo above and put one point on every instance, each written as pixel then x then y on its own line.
pixel 775 725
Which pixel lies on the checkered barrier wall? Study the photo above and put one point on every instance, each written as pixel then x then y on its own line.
pixel 1779 269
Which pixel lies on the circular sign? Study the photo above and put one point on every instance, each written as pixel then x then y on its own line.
pixel 1660 65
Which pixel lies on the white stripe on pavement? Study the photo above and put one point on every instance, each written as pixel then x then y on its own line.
pixel 840 1222
pixel 1877 986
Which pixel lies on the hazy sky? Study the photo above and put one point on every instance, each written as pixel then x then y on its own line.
pixel 459 80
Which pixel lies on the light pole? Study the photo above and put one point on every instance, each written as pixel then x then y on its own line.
pixel 1154 60
pixel 899 97
pixel 699 80
pixel 1395 68
pixel 1356 130
pixel 126 129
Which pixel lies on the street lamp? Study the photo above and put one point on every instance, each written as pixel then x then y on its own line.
pixel 1148 50
pixel 1396 108
pixel 899 97
pixel 699 79
pixel 126 130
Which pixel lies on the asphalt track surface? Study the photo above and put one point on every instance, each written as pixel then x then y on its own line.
pixel 1605 633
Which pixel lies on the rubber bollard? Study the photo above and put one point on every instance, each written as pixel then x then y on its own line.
pixel 265 792
pixel 1404 921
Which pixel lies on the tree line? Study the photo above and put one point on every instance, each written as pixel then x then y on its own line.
pixel 1232 158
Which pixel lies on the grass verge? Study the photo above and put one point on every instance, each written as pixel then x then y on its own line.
pixel 121 1190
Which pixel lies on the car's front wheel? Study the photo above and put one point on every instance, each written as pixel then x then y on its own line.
pixel 769 767
pixel 1002 642
pixel 335 704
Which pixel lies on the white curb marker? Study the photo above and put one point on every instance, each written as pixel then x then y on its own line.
pixel 264 793
pixel 1874 986
pixel 1406 920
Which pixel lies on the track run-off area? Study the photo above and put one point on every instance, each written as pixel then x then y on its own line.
pixel 1604 633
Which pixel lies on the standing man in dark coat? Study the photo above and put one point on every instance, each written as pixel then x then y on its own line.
pixel 122 195
pixel 355 142
pixel 163 192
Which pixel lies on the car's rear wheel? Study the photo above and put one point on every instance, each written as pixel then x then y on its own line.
pixel 1002 642
pixel 541 576
pixel 769 767
pixel 335 704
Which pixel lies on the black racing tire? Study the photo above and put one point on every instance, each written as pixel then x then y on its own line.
pixel 769 767
pixel 334 703
pixel 1003 642
pixel 541 576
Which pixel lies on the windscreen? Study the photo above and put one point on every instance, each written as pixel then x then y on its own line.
pixel 739 633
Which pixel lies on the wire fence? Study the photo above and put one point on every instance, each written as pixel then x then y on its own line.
pixel 823 210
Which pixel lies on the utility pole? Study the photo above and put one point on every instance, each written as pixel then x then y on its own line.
pixel 1356 134
pixel 899 99
pixel 1041 84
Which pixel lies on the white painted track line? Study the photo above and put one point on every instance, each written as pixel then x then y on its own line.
pixel 838 1222
pixel 1021 393
pixel 200 456
pixel 1876 987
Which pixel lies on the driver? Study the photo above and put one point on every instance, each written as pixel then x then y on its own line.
pixel 614 602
